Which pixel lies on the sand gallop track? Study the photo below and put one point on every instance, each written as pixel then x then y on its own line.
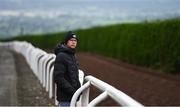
pixel 142 84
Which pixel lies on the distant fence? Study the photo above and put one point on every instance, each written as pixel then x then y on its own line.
pixel 42 65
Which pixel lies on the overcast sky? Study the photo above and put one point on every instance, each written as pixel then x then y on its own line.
pixel 37 16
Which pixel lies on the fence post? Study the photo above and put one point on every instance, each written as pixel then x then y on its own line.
pixel 85 97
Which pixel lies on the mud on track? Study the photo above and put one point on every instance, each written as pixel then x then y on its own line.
pixel 144 85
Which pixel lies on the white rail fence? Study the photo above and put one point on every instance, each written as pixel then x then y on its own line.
pixel 42 65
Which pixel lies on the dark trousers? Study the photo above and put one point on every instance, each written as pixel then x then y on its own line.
pixel 64 104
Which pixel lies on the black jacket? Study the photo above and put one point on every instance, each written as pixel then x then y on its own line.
pixel 66 74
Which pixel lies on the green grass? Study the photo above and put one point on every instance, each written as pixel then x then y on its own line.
pixel 152 44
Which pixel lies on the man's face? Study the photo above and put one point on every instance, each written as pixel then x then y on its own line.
pixel 72 43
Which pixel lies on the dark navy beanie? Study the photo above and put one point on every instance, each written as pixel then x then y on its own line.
pixel 69 35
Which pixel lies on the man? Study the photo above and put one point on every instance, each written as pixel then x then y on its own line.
pixel 66 75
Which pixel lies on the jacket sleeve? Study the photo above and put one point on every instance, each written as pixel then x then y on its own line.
pixel 59 71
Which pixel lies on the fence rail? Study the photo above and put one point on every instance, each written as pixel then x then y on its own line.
pixel 107 90
pixel 42 65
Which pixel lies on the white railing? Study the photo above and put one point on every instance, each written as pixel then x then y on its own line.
pixel 108 90
pixel 42 65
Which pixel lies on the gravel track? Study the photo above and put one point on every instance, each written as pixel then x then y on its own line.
pixel 29 90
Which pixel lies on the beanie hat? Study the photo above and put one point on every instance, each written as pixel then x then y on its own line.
pixel 69 36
